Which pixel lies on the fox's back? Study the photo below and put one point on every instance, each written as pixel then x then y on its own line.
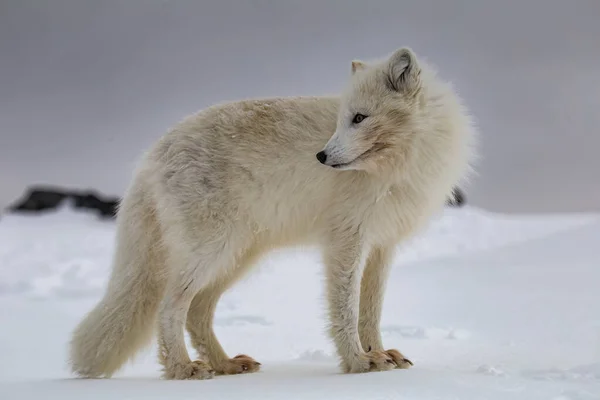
pixel 250 156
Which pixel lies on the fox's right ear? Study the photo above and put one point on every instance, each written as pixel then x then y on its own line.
pixel 404 72
pixel 358 65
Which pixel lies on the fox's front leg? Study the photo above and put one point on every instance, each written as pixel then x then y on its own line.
pixel 344 259
pixel 372 292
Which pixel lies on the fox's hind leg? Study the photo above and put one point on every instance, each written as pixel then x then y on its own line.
pixel 200 322
pixel 194 268
pixel 173 354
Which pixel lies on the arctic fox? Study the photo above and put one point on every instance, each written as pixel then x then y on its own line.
pixel 355 174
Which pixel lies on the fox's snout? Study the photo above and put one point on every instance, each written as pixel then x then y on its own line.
pixel 339 153
pixel 326 160
pixel 335 154
pixel 322 156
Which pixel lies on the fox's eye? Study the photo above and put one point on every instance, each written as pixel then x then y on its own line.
pixel 358 118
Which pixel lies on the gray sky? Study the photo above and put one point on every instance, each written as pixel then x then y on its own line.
pixel 87 85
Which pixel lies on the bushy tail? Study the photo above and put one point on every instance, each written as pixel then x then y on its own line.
pixel 124 320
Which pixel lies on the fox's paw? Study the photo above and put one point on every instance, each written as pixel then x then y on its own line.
pixel 240 364
pixel 193 370
pixel 371 361
pixel 400 361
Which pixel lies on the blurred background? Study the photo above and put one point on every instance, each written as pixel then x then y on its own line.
pixel 86 86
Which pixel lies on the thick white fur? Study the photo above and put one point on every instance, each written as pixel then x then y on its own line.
pixel 236 180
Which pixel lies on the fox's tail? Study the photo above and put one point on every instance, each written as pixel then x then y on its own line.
pixel 124 320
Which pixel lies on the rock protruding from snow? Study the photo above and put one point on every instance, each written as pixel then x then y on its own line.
pixel 42 199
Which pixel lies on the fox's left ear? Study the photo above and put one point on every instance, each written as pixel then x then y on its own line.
pixel 358 65
pixel 404 72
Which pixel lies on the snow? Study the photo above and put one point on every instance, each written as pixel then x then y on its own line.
pixel 487 306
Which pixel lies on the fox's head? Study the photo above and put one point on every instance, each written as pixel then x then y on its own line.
pixel 378 114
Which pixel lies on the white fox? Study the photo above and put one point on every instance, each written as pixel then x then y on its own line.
pixel 356 174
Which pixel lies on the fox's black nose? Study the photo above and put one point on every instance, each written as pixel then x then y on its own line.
pixel 322 157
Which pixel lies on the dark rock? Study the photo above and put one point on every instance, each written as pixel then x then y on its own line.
pixel 105 207
pixel 39 199
pixel 458 198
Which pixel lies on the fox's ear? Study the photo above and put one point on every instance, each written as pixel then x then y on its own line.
pixel 358 65
pixel 404 72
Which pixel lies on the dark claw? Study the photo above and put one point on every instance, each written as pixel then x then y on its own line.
pixel 406 360
pixel 368 351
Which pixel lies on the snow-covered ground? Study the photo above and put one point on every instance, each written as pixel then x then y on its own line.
pixel 487 307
